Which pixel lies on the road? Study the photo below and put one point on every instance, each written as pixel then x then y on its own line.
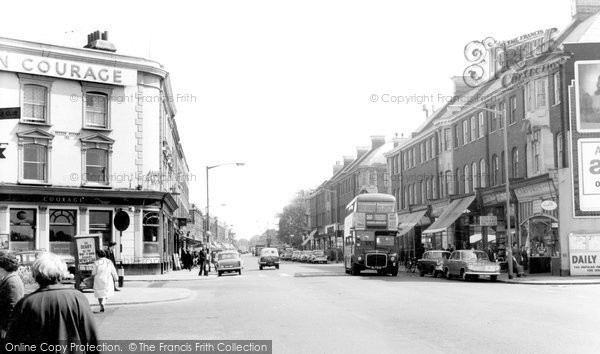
pixel 313 309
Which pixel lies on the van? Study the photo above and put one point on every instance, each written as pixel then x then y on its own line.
pixel 269 257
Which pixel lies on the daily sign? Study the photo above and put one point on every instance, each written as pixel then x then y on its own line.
pixel 589 174
pixel 67 69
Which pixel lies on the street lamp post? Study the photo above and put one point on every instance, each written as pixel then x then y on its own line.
pixel 509 254
pixel 208 168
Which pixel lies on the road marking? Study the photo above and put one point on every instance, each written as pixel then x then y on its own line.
pixel 284 275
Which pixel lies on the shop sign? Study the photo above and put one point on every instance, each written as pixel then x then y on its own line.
pixel 10 113
pixel 534 190
pixel 584 254
pixel 488 220
pixel 67 69
pixel 549 205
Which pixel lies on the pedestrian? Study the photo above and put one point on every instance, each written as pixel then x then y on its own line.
pixel 105 276
pixel 491 254
pixel 186 258
pixel 53 314
pixel 11 290
pixel 110 254
pixel 525 258
pixel 201 261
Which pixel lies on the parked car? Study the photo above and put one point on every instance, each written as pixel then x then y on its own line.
pixel 469 264
pixel 287 256
pixel 296 255
pixel 432 262
pixel 319 257
pixel 229 261
pixel 269 257
pixel 305 255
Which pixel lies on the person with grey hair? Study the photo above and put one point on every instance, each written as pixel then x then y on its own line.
pixel 54 313
pixel 11 289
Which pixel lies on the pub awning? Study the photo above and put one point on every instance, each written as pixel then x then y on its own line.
pixel 450 214
pixel 407 222
pixel 310 237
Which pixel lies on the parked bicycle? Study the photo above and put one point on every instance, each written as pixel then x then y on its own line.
pixel 411 265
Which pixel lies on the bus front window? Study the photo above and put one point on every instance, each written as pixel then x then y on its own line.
pixel 365 238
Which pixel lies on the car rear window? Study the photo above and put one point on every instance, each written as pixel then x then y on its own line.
pixel 228 256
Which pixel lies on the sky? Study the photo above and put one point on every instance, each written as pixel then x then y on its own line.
pixel 287 87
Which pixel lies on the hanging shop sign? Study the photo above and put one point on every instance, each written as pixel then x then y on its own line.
pixel 549 205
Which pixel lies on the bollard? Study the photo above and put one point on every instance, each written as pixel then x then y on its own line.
pixel 121 274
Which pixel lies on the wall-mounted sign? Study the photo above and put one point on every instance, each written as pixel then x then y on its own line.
pixel 589 174
pixel 488 220
pixel 10 113
pixel 549 205
pixel 584 254
pixel 67 69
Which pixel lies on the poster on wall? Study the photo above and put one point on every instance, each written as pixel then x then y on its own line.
pixel 584 254
pixel 587 77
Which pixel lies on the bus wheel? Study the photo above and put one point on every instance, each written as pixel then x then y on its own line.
pixel 355 270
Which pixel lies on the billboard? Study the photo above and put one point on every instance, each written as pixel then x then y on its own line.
pixel 584 252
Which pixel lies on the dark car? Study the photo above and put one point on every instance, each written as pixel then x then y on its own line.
pixel 229 261
pixel 432 262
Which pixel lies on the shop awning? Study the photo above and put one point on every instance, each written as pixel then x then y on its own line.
pixel 310 237
pixel 450 214
pixel 407 222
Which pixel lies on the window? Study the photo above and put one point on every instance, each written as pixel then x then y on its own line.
pixel 411 162
pixel 455 127
pixel 457 181
pixel 556 78
pixel 96 110
pixel 101 223
pixel 62 229
pixel 405 158
pixel 474 129
pixel 475 179
pixel 22 229
pixel 150 225
pixel 483 173
pixel 512 117
pixel 449 183
pixel 465 132
pixel 429 193
pixel 536 151
pixel 493 119
pixel 423 190
pixel 406 200
pixel 96 151
pixel 423 156
pixel 96 166
pixel 35 103
pixel 481 125
pixel 96 106
pixel 467 176
pixel 427 151
pixel 559 150
pixel 515 163
pixel 540 93
pixel 35 159
pixel 529 91
pixel 494 171
pixel 434 187
pixel 447 140
pixel 501 117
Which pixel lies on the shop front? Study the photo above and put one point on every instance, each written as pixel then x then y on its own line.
pixel 451 227
pixel 410 226
pixel 493 221
pixel 538 224
pixel 48 219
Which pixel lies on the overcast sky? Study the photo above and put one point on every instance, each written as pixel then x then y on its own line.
pixel 285 86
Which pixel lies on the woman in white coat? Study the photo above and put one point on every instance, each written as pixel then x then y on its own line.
pixel 105 275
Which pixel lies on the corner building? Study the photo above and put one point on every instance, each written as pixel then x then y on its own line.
pixel 96 135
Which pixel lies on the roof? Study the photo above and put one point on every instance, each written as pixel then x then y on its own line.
pixel 587 31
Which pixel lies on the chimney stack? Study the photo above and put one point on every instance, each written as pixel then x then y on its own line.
pixel 361 151
pixel 460 86
pixel 348 160
pixel 99 41
pixel 377 141
pixel 582 9
pixel 337 167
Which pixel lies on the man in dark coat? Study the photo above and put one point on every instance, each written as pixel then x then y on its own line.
pixel 202 261
pixel 53 314
pixel 11 290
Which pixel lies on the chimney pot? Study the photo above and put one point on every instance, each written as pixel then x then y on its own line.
pixel 377 141
pixel 99 41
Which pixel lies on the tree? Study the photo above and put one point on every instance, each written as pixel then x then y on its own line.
pixel 292 222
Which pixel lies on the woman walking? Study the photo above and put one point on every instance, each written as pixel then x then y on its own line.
pixel 105 276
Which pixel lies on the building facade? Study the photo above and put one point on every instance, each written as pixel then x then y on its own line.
pixel 96 135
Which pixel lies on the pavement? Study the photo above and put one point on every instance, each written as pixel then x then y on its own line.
pixel 545 279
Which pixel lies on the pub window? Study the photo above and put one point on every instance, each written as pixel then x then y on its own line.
pixel 35 103
pixel 62 229
pixel 150 225
pixel 101 223
pixel 96 166
pixel 96 110
pixel 35 162
pixel 22 229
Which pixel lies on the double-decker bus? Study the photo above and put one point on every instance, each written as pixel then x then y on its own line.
pixel 370 234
